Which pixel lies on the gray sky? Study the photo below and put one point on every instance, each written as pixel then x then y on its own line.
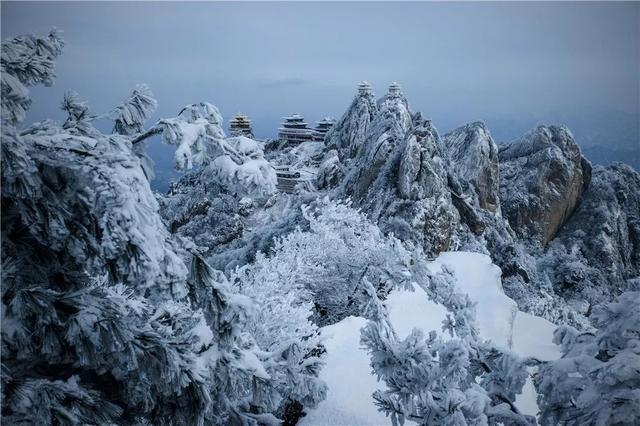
pixel 510 64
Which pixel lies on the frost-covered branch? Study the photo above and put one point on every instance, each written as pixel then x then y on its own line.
pixel 131 115
pixel 26 61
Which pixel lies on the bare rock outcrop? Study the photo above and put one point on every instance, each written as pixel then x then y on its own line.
pixel 474 158
pixel 542 176
pixel 596 254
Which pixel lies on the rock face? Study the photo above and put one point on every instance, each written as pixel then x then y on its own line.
pixel 387 130
pixel 599 246
pixel 473 156
pixel 399 177
pixel 415 203
pixel 564 240
pixel 347 136
pixel 542 176
pixel 330 171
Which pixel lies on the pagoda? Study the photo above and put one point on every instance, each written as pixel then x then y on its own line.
pixel 322 127
pixel 394 90
pixel 364 88
pixel 294 130
pixel 240 125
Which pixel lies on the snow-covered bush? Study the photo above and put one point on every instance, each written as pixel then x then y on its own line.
pixel 283 330
pixel 597 380
pixel 343 261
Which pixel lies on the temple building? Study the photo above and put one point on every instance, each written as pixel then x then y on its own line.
pixel 364 88
pixel 322 127
pixel 294 130
pixel 394 90
pixel 240 125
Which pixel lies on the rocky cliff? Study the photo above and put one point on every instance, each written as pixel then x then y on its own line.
pixel 542 177
pixel 473 158
pixel 597 251
pixel 347 136
pixel 399 177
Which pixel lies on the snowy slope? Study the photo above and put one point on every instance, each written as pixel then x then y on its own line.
pixel 347 372
pixel 348 375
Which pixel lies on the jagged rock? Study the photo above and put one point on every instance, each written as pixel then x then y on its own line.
pixel 597 252
pixel 330 172
pixel 468 214
pixel 387 130
pixel 421 208
pixel 542 176
pixel 400 177
pixel 348 135
pixel 474 158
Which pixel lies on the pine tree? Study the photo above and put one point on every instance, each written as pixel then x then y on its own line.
pixel 450 382
pixel 430 380
pixel 597 380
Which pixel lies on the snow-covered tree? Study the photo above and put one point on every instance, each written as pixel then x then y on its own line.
pixel 129 119
pixel 26 61
pixel 84 253
pixel 430 380
pixel 283 331
pixel 425 378
pixel 131 115
pixel 236 162
pixel 342 260
pixel 597 380
pixel 102 320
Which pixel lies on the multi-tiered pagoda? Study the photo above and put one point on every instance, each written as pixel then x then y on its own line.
pixel 364 88
pixel 322 127
pixel 294 130
pixel 394 90
pixel 240 125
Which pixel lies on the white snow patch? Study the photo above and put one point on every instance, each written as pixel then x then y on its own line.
pixel 412 309
pixel 541 346
pixel 348 375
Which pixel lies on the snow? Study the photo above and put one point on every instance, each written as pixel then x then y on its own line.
pixel 410 309
pixel 542 348
pixel 347 371
pixel 348 376
pixel 190 135
pixel 244 145
pixel 203 333
pixel 477 276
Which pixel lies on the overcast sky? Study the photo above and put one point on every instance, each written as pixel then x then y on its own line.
pixel 456 62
